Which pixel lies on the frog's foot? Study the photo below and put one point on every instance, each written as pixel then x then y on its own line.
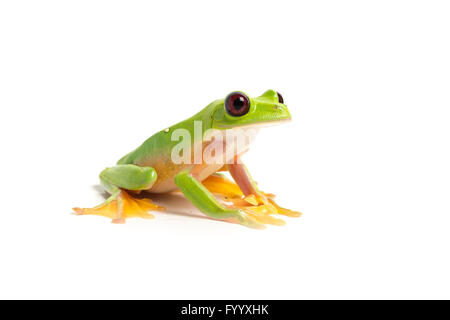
pixel 261 208
pixel 121 206
pixel 281 210
pixel 262 213
pixel 225 188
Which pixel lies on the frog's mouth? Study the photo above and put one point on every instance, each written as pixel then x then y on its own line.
pixel 260 124
pixel 273 122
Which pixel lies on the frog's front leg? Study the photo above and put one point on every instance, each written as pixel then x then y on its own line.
pixel 245 195
pixel 195 192
pixel 241 175
pixel 121 205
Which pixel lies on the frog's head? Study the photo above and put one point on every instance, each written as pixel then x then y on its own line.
pixel 239 110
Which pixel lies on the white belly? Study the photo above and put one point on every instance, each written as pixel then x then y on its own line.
pixel 226 151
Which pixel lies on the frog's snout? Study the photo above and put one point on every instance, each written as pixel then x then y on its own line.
pixel 282 112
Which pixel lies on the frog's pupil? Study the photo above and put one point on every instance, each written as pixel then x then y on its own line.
pixel 239 103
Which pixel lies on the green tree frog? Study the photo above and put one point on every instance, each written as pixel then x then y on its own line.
pixel 189 157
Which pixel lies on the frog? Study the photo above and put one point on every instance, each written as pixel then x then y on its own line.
pixel 173 160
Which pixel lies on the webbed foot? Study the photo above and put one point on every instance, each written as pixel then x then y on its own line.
pixel 261 208
pixel 121 206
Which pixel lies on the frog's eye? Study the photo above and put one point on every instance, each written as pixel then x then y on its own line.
pixel 280 98
pixel 237 104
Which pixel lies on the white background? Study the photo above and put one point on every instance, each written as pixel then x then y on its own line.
pixel 366 157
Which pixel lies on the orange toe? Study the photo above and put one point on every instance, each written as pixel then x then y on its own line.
pixel 131 207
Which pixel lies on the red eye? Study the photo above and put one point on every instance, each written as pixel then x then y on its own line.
pixel 280 98
pixel 237 104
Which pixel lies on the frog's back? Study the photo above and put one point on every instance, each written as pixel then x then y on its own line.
pixel 156 145
pixel 160 144
pixel 156 151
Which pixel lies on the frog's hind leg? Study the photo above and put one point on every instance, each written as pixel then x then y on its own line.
pixel 121 205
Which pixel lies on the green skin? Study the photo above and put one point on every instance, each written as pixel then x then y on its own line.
pixel 149 167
